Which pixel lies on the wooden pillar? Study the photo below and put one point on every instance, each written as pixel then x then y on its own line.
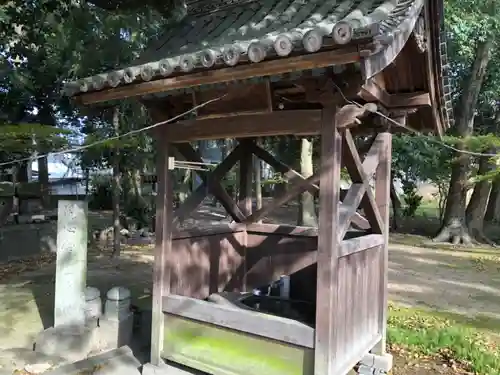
pixel 246 173
pixel 328 244
pixel 382 199
pixel 163 249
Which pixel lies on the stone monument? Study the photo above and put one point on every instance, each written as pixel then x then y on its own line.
pixel 70 338
pixel 71 264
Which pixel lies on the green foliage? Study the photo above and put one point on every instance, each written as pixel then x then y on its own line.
pixel 101 193
pixel 427 333
pixel 411 197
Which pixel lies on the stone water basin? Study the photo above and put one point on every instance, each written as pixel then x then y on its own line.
pixel 302 311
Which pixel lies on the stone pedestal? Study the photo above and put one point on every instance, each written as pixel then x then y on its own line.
pixel 93 306
pixel 117 323
pixel 68 343
pixel 70 338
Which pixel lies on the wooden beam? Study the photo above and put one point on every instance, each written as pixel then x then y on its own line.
pixel 280 167
pixel 234 317
pixel 362 243
pixel 382 199
pixel 229 74
pixel 246 174
pixel 349 207
pixel 282 230
pixel 413 99
pixel 299 187
pixel 371 91
pixel 163 249
pixel 251 125
pixel 327 343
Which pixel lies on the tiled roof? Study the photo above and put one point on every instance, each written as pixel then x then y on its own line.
pixel 252 31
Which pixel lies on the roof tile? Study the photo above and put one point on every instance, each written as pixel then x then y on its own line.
pixel 254 31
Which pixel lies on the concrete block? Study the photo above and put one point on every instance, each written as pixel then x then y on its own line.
pixel 379 362
pixel 71 343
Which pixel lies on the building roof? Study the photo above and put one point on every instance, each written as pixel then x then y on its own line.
pixel 218 33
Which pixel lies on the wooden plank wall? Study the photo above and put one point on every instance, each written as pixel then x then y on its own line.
pixel 234 260
pixel 206 263
pixel 358 305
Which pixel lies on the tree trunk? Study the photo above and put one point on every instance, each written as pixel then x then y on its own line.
pixel 493 210
pixel 283 147
pixel 396 206
pixel 22 174
pixel 87 182
pixel 477 205
pixel 185 185
pixel 116 186
pixel 45 117
pixel 454 224
pixel 258 183
pixel 307 211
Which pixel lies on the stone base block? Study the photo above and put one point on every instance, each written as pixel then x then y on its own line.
pixel 69 343
pixel 115 333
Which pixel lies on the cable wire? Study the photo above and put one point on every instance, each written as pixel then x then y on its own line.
pixel 132 132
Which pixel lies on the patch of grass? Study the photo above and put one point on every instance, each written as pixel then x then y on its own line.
pixel 466 341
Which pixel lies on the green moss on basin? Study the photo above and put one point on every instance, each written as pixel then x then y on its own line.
pixel 222 351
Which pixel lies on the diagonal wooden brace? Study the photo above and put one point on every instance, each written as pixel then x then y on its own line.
pixel 212 182
pixel 356 171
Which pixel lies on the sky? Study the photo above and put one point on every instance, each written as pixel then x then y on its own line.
pixel 57 169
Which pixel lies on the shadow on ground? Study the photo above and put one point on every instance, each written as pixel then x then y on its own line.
pixel 28 301
pixel 446 280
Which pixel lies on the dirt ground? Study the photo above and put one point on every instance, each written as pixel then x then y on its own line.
pixel 454 280
pixel 405 366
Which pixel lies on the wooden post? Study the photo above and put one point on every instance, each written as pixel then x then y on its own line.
pixel 163 249
pixel 246 172
pixel 382 199
pixel 328 244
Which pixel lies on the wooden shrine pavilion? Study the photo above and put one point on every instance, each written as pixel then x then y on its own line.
pixel 282 67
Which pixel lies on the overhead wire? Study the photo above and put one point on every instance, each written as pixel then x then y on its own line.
pixel 113 138
pixel 137 131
